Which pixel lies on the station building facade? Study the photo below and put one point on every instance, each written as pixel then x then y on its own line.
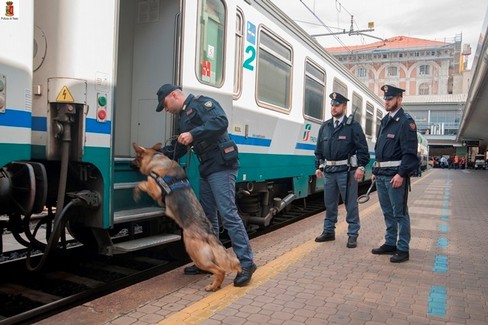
pixel 434 77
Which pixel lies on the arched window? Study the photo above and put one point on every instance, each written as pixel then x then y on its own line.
pixel 424 89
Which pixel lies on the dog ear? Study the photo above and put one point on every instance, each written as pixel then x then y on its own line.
pixel 139 149
pixel 157 146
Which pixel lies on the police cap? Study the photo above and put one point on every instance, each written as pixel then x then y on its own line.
pixel 391 91
pixel 337 98
pixel 164 91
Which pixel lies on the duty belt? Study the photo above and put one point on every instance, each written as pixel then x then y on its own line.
pixel 386 164
pixel 336 163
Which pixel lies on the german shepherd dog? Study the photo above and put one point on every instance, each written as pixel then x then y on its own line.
pixel 168 185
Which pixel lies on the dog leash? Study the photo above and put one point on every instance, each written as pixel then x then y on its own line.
pixel 175 139
pixel 365 197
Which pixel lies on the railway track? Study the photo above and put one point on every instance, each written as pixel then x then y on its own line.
pixel 82 276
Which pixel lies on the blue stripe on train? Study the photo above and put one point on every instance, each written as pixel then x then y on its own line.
pixel 20 119
pixel 39 123
pixel 305 146
pixel 260 142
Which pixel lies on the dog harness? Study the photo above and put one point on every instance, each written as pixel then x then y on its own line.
pixel 168 183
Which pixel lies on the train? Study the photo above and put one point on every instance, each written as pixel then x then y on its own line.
pixel 422 151
pixel 74 100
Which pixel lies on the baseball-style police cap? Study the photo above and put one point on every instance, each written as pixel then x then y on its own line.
pixel 164 91
pixel 391 91
pixel 337 98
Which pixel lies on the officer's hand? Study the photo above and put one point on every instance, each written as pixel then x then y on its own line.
pixel 318 173
pixel 396 181
pixel 359 174
pixel 185 138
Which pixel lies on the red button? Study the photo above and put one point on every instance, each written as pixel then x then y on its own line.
pixel 102 114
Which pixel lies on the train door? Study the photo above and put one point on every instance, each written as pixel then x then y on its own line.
pixel 148 52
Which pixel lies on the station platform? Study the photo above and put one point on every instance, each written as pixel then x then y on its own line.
pixel 299 281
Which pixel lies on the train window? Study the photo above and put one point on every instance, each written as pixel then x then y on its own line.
pixel 379 117
pixel 369 119
pixel 357 107
pixel 314 93
pixel 238 53
pixel 211 42
pixel 340 87
pixel 273 71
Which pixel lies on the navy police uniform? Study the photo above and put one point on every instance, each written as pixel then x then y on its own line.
pixel 339 151
pixel 396 153
pixel 205 119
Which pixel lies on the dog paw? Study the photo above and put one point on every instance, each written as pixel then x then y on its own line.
pixel 136 195
pixel 211 288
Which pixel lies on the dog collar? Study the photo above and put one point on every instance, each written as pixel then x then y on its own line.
pixel 168 183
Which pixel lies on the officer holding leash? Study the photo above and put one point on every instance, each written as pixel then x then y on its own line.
pixel 341 155
pixel 203 125
pixel 396 159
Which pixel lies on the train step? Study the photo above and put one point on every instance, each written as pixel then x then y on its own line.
pixel 130 215
pixel 125 180
pixel 146 242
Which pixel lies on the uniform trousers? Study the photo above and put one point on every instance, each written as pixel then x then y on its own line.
pixel 395 212
pixel 217 193
pixel 335 184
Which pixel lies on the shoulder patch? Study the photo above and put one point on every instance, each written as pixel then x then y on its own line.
pixel 412 126
pixel 208 104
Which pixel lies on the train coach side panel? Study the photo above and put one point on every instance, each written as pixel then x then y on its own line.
pixel 16 48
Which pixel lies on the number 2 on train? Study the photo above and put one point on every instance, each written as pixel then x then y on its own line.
pixel 248 63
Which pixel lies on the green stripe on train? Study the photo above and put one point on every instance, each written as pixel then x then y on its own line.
pixel 14 151
pixel 100 157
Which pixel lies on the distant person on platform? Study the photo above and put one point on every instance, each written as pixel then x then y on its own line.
pixel 341 155
pixel 396 159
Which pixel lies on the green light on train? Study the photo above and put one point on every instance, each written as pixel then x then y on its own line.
pixel 102 100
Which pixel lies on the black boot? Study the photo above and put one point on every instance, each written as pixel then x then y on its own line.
pixel 325 237
pixel 399 257
pixel 352 242
pixel 192 270
pixel 244 277
pixel 384 250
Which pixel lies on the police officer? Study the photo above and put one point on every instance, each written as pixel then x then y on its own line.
pixel 396 159
pixel 340 157
pixel 203 125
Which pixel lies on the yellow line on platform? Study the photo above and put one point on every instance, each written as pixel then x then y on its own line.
pixel 211 304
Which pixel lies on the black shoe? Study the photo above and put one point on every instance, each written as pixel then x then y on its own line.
pixel 244 277
pixel 192 270
pixel 325 237
pixel 384 250
pixel 352 242
pixel 399 257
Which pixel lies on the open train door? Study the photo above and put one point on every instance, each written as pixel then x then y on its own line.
pixel 148 56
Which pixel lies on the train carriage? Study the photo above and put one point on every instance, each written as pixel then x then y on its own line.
pixel 97 67
pixel 423 151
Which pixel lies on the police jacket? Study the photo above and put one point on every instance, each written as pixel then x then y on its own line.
pixel 336 144
pixel 205 119
pixel 397 141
